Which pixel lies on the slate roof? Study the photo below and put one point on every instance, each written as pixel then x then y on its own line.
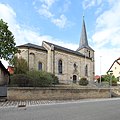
pixel 56 47
pixel 83 38
pixel 2 66
pixel 29 45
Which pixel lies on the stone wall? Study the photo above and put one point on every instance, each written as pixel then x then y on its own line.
pixel 55 93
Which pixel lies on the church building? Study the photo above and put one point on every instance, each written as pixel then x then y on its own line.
pixel 68 65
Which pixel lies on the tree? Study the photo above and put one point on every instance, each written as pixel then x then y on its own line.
pixel 108 77
pixel 20 65
pixel 7 42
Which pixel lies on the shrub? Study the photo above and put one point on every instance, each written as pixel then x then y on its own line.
pixel 20 80
pixel 42 78
pixel 55 79
pixel 34 79
pixel 114 82
pixel 83 81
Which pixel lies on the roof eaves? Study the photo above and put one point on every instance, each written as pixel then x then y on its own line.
pixel 4 68
pixel 29 45
pixel 56 47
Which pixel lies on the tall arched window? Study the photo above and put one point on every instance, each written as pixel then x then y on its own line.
pixel 39 66
pixel 89 53
pixel 86 70
pixel 60 66
pixel 32 61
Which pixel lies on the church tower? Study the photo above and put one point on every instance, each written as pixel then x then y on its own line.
pixel 88 52
pixel 84 47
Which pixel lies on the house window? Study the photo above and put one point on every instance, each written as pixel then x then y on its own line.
pixel 39 66
pixel 86 70
pixel 89 53
pixel 60 66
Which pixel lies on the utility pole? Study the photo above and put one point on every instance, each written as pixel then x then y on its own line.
pixel 111 72
pixel 100 70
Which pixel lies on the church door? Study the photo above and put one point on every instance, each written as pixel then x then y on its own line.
pixel 74 78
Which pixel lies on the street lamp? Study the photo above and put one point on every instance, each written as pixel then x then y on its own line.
pixel 100 70
pixel 110 84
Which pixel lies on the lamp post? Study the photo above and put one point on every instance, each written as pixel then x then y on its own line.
pixel 110 84
pixel 100 70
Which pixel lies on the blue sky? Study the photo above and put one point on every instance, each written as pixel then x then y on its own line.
pixel 59 22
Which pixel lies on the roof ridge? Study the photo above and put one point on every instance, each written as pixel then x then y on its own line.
pixel 65 49
pixel 32 45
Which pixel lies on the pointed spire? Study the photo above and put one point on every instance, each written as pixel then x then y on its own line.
pixel 83 38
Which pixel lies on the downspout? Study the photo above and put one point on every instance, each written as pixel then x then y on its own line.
pixel 54 62
pixel 28 58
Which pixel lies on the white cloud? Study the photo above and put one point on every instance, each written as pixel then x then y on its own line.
pixel 107 36
pixel 44 10
pixel 108 26
pixel 7 13
pixel 26 35
pixel 107 32
pixel 108 56
pixel 49 3
pixel 66 5
pixel 90 3
pixel 60 22
pixel 46 13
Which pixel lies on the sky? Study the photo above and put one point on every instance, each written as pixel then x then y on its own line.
pixel 60 22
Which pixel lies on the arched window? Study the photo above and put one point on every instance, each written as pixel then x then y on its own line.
pixel 86 70
pixel 32 61
pixel 39 66
pixel 89 53
pixel 60 66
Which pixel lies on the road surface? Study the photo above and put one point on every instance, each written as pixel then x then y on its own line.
pixel 104 109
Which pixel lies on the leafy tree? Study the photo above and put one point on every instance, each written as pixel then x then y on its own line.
pixel 20 65
pixel 102 79
pixel 7 42
pixel 108 77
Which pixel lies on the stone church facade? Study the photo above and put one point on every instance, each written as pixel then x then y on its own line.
pixel 67 64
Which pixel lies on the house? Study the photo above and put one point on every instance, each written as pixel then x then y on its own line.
pixel 4 75
pixel 11 69
pixel 68 65
pixel 96 78
pixel 115 68
pixel 4 79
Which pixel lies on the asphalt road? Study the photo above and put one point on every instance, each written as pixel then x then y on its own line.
pixel 83 110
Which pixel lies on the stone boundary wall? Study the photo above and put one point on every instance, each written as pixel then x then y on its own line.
pixel 18 93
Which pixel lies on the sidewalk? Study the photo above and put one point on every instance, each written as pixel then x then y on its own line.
pixel 29 103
